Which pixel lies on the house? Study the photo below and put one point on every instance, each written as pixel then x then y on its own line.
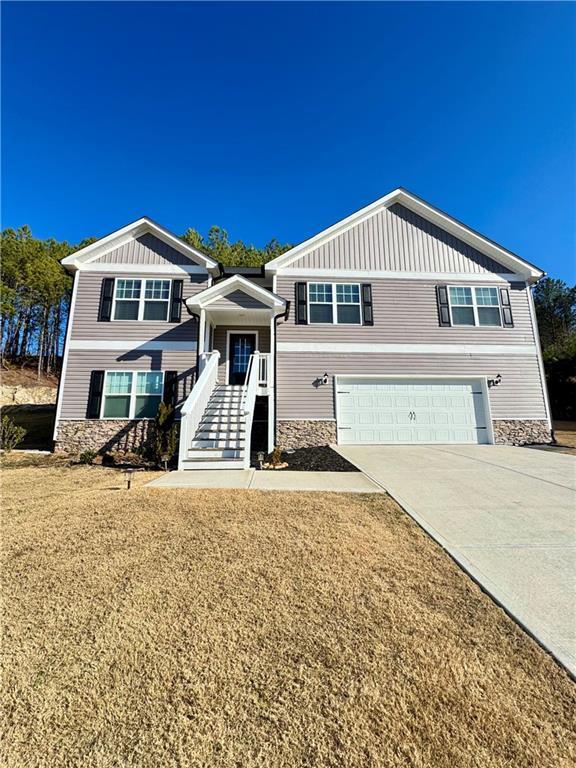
pixel 397 325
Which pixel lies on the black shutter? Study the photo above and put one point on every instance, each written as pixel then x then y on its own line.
pixel 507 318
pixel 367 313
pixel 106 296
pixel 95 395
pixel 443 306
pixel 170 396
pixel 176 301
pixel 301 308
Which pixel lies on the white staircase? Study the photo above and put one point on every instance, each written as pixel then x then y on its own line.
pixel 221 435
pixel 216 421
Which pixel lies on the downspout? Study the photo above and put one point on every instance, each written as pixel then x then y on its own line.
pixel 283 316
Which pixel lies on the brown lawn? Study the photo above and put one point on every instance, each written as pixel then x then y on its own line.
pixel 157 628
pixel 565 433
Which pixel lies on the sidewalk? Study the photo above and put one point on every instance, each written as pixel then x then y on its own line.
pixel 279 480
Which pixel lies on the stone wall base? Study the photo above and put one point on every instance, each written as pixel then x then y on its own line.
pixel 521 432
pixel 305 433
pixel 103 435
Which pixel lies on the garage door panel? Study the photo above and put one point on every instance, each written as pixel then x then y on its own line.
pixel 411 411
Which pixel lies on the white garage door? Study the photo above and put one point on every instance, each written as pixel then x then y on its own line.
pixel 410 411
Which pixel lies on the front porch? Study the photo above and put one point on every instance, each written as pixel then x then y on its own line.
pixel 235 384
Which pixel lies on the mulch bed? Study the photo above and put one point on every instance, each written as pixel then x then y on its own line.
pixel 319 459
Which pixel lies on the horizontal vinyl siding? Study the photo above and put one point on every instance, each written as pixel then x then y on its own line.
pixel 236 299
pixel 85 323
pixel 406 311
pixel 519 396
pixel 146 249
pixel 397 239
pixel 80 364
pixel 219 342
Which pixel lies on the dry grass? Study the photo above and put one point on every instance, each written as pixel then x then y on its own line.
pixel 159 628
pixel 565 433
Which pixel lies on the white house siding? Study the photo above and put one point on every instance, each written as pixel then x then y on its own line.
pixel 519 396
pixel 82 362
pixel 406 311
pixel 85 323
pixel 397 239
pixel 145 249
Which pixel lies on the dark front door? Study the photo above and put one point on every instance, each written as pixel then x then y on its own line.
pixel 242 345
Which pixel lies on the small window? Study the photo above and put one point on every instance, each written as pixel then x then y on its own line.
pixel 475 306
pixel 488 306
pixel 334 303
pixel 117 393
pixel 132 395
pixel 132 302
pixel 127 299
pixel 148 394
pixel 348 304
pixel 320 300
pixel 156 298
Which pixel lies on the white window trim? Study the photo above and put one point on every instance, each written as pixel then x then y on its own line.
pixel 474 307
pixel 141 300
pixel 133 393
pixel 334 302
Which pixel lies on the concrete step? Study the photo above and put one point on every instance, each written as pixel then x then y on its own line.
pixel 214 453
pixel 213 464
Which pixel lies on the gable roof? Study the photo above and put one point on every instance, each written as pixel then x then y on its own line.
pixel 236 282
pixel 421 207
pixel 137 228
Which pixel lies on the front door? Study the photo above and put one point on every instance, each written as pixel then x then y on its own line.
pixel 240 347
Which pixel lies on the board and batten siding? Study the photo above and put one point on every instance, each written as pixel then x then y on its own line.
pixel 405 311
pixel 85 323
pixel 236 300
pixel 220 343
pixel 145 249
pixel 519 396
pixel 397 239
pixel 81 363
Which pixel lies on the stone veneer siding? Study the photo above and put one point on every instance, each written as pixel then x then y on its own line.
pixel 305 433
pixel 525 432
pixel 103 435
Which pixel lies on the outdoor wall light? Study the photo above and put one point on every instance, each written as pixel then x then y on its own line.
pixel 496 381
pixel 325 379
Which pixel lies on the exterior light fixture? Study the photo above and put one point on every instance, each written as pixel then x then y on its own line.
pixel 496 381
pixel 325 379
pixel 260 458
pixel 128 475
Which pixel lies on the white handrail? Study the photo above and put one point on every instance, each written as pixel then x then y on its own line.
pixel 248 401
pixel 196 402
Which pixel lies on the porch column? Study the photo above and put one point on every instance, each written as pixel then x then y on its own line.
pixel 202 332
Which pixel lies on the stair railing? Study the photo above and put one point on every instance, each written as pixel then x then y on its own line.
pixel 248 401
pixel 196 402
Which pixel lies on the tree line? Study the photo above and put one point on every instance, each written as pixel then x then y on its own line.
pixel 35 288
pixel 35 300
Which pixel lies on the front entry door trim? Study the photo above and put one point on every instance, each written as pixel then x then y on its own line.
pixel 237 332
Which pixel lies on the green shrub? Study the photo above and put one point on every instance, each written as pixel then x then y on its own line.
pixel 10 434
pixel 87 456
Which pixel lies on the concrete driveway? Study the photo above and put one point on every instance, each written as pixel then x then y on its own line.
pixel 507 515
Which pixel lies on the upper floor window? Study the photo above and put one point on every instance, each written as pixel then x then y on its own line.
pixel 474 306
pixel 132 395
pixel 334 303
pixel 141 299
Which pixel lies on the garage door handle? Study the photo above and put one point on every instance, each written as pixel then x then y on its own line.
pixel 344 427
pixel 341 392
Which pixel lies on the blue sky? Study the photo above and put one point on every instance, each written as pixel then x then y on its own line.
pixel 280 119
